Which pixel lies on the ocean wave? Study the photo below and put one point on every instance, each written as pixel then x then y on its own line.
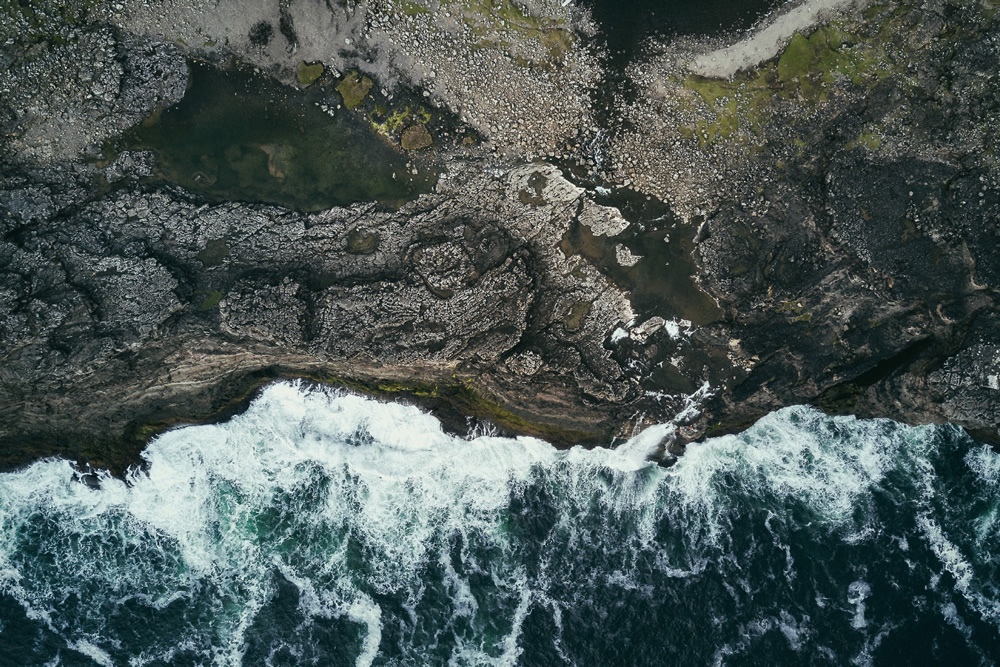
pixel 323 527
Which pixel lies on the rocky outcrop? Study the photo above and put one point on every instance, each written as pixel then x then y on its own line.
pixel 513 70
pixel 846 200
pixel 861 276
pixel 61 103
pixel 120 309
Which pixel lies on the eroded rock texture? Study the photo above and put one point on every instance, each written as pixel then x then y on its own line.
pixel 135 306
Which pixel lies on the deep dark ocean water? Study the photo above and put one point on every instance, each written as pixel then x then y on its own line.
pixel 322 528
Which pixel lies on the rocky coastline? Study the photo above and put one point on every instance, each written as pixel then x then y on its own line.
pixel 838 205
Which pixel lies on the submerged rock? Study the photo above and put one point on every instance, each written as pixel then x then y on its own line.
pixel 415 137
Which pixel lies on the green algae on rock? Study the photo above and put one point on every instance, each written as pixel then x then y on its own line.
pixel 236 135
pixel 308 74
pixel 354 88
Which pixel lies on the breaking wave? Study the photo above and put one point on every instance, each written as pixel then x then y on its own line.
pixel 325 528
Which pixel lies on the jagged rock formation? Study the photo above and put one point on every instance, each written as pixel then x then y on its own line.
pixel 131 307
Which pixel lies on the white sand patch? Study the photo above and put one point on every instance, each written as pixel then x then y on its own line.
pixel 769 40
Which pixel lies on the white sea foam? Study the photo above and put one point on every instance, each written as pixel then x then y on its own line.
pixel 857 592
pixel 960 568
pixel 92 651
pixel 985 464
pixel 352 501
pixel 950 613
pixel 795 631
pixel 797 454
pixel 364 610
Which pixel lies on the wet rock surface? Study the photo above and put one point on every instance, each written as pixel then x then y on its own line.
pixel 847 226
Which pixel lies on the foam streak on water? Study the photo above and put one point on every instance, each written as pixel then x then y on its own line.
pixel 324 528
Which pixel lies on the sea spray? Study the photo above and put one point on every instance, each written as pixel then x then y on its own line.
pixel 325 528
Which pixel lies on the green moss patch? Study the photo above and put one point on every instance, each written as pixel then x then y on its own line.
pixel 211 301
pixel 743 103
pixel 404 124
pixel 412 8
pixel 354 88
pixel 53 21
pixel 810 65
pixel 308 74
pixel 558 42
pixel 492 16
pixel 789 307
pixel 807 70
pixel 794 308
pixel 503 12
pixel 868 139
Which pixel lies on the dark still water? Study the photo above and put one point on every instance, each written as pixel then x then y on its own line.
pixel 328 529
pixel 625 24
pixel 237 135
